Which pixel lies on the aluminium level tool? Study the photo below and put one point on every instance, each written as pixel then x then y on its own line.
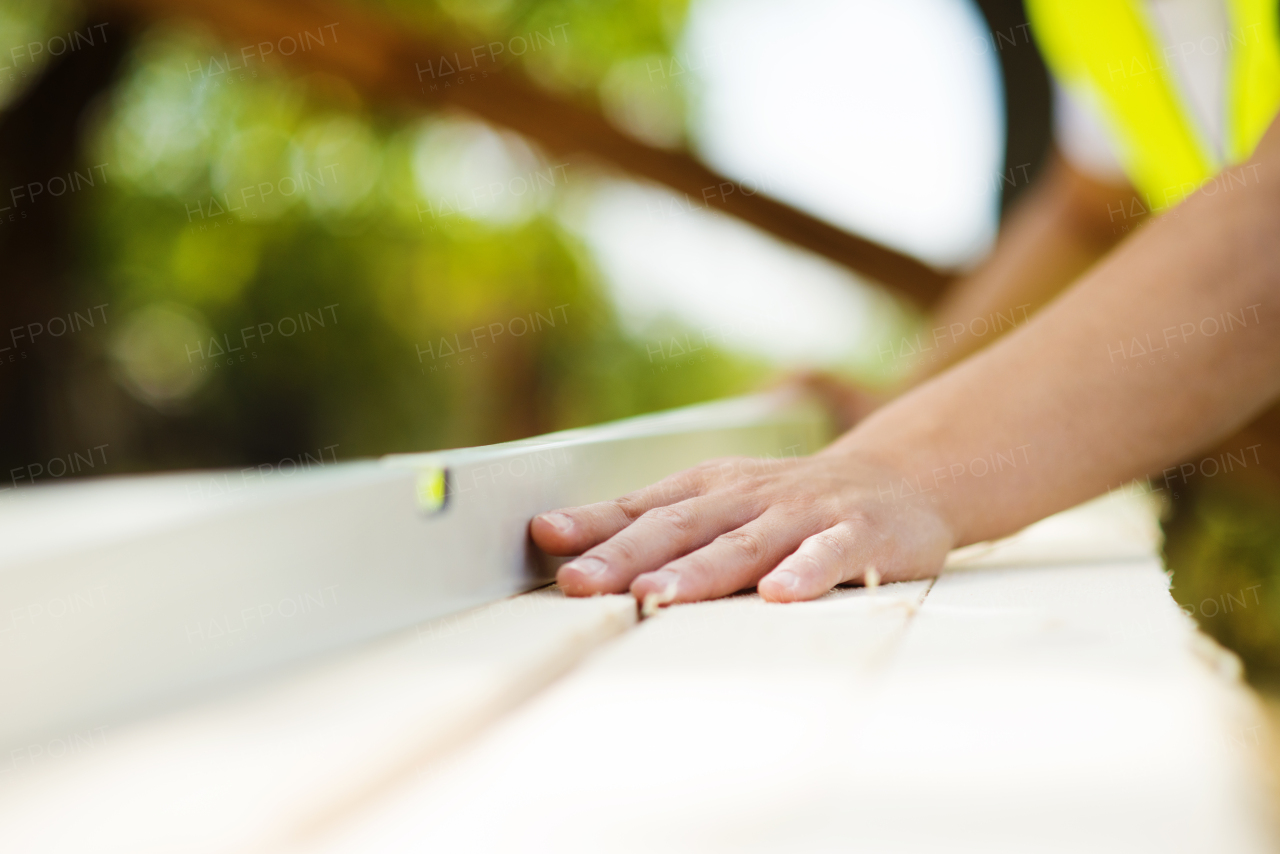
pixel 123 596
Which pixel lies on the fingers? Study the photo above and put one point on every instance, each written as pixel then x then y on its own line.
pixel 660 535
pixel 574 530
pixel 822 561
pixel 729 563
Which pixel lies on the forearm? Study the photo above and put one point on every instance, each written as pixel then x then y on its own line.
pixel 1062 227
pixel 1055 412
pixel 1043 419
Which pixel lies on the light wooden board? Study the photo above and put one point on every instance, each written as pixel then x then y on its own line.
pixel 704 721
pixel 1120 526
pixel 1055 709
pixel 1027 703
pixel 271 762
pixel 1044 694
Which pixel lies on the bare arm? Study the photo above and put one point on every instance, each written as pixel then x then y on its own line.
pixel 1041 420
pixel 1165 347
pixel 1064 224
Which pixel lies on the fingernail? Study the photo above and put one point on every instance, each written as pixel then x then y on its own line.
pixel 654 601
pixel 871 579
pixel 588 566
pixel 786 579
pixel 559 521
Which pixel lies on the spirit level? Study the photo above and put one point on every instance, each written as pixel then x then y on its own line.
pixel 124 594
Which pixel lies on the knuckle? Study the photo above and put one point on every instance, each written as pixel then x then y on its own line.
pixel 679 516
pixel 751 545
pixel 630 506
pixel 665 489
pixel 835 544
pixel 833 507
pixel 677 487
pixel 754 468
pixel 856 520
pixel 695 477
pixel 743 484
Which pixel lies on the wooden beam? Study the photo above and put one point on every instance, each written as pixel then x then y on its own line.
pixel 1001 708
pixel 390 62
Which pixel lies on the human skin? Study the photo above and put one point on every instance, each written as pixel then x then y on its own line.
pixel 1060 228
pixel 1052 409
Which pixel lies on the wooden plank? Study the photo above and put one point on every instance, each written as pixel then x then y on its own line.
pixel 1046 706
pixel 265 765
pixel 1050 696
pixel 1117 527
pixel 691 726
pixel 1058 708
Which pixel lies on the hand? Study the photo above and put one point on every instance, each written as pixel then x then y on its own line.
pixel 795 528
pixel 845 401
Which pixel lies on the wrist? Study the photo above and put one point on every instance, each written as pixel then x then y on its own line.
pixel 895 482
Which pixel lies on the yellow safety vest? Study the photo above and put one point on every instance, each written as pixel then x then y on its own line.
pixel 1104 50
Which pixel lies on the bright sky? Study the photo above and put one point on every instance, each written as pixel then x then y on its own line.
pixel 881 117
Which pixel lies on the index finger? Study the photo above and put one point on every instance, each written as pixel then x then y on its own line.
pixel 573 530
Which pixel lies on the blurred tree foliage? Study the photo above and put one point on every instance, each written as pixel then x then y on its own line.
pixel 286 267
pixel 1223 548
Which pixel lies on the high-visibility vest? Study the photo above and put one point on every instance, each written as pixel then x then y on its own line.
pixel 1105 52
